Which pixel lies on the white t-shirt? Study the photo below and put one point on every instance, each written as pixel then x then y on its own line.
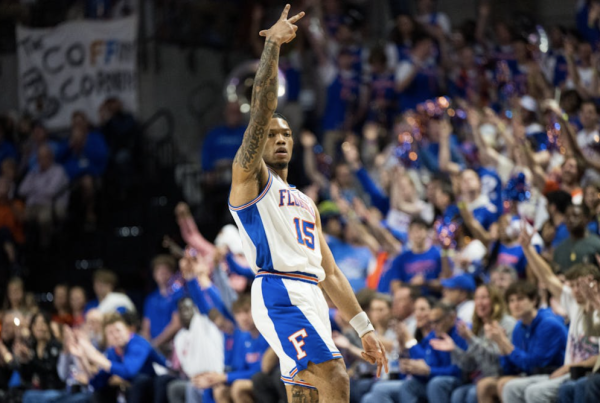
pixel 439 19
pixel 579 347
pixel 586 78
pixel 201 347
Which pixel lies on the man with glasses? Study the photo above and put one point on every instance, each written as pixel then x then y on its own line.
pixel 434 375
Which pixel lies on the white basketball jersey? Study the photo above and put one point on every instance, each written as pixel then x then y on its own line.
pixel 279 231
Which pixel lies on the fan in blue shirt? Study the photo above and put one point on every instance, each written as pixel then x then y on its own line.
pixel 416 77
pixel 421 265
pixel 161 320
pixel 129 356
pixel 221 143
pixel 434 374
pixel 249 347
pixel 538 341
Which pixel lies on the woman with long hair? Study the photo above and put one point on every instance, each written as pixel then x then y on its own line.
pixel 38 361
pixel 481 359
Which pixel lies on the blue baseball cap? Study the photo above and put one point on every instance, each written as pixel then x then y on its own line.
pixel 461 282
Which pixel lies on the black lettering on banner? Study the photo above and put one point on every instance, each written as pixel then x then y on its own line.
pixel 86 86
pixel 67 97
pixel 76 54
pixel 46 61
pixel 31 45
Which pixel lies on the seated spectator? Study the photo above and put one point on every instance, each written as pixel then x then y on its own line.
pixel 122 134
pixel 481 358
pixel 71 371
pixel 62 313
pixel 198 349
pixel 14 301
pixel 222 142
pixel 457 291
pixel 129 357
pixel 386 391
pixel 249 348
pixel 421 264
pixel 161 321
pixel 107 300
pixel 77 302
pixel 94 320
pixel 501 277
pixel 403 306
pixel 84 157
pixel 582 349
pixel 9 333
pixel 434 377
pixel 38 363
pixel 85 152
pixel 537 345
pixel 30 148
pixel 580 246
pixel 379 312
pixel 40 188
pixel 423 307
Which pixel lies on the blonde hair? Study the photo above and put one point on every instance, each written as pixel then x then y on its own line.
pixel 498 308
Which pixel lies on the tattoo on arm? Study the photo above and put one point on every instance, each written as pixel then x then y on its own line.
pixel 262 106
pixel 304 395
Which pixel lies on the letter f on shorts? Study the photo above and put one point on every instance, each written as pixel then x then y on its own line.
pixel 299 343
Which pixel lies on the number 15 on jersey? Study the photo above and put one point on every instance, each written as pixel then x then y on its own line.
pixel 304 231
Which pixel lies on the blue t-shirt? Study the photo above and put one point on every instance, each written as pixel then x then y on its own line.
pixel 410 264
pixel 159 310
pixel 93 304
pixel 491 185
pixel 353 261
pixel 385 280
pixel 486 216
pixel 513 256
pixel 8 150
pixel 342 96
pixel 561 234
pixel 248 352
pixel 382 92
pixel 429 155
pixel 91 161
pixel 424 86
pixel 221 143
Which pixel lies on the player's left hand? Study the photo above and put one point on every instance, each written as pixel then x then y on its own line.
pixel 374 352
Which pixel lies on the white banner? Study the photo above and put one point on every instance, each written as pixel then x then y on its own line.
pixel 76 66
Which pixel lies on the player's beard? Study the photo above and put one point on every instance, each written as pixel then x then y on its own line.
pixel 280 166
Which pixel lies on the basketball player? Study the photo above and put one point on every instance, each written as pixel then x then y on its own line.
pixel 282 240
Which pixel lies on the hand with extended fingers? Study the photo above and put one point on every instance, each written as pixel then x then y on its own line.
pixel 284 30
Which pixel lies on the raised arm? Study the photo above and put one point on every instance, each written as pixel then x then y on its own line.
pixel 249 169
pixel 542 270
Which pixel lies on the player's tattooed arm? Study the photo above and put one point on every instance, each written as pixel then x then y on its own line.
pixel 263 104
pixel 304 395
pixel 264 95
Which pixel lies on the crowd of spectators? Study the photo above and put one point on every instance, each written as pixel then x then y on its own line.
pixel 457 177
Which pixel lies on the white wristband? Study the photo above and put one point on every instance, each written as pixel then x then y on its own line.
pixel 362 324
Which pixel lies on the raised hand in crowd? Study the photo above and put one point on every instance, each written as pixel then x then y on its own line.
pixel 445 343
